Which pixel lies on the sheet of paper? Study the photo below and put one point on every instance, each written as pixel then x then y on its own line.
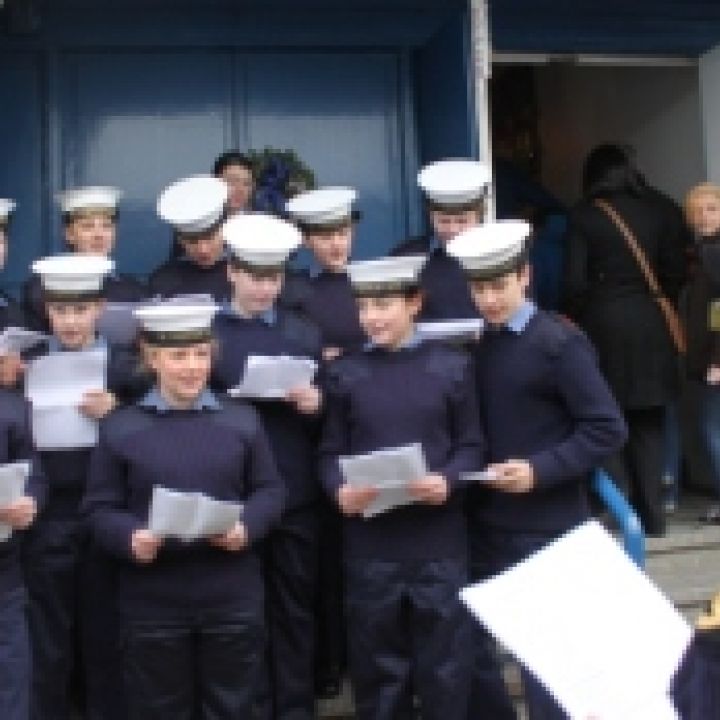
pixel 583 618
pixel 189 516
pixel 390 470
pixel 271 377
pixel 480 477
pixel 55 385
pixel 13 479
pixel 18 340
pixel 469 329
pixel 118 325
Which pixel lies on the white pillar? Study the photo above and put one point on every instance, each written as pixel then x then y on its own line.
pixel 481 49
pixel 710 107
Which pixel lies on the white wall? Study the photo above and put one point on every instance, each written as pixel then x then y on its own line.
pixel 710 94
pixel 656 110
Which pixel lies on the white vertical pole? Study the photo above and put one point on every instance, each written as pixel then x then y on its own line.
pixel 481 68
pixel 710 108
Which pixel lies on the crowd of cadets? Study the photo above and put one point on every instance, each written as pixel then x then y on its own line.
pixel 234 626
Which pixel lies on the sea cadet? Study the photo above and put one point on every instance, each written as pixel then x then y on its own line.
pixel 253 323
pixel 193 611
pixel 454 193
pixel 194 208
pixel 408 635
pixel 90 218
pixel 70 581
pixel 550 419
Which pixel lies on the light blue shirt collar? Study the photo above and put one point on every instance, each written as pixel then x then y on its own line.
pixel 434 245
pixel 269 316
pixel 519 320
pixel 410 344
pixel 154 400
pixel 53 344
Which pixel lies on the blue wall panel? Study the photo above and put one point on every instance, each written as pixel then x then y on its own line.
pixel 339 111
pixel 21 177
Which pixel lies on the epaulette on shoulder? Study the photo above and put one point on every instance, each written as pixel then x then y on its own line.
pixel 125 421
pixel 557 330
pixel 237 415
pixel 346 370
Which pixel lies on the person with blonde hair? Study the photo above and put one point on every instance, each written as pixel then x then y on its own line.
pixel 702 212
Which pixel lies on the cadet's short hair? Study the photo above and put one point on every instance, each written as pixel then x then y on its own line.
pixel 232 157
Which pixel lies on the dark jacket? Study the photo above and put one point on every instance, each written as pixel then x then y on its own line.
pixel 606 293
pixel 703 344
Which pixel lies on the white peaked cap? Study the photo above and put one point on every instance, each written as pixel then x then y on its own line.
pixel 6 207
pixel 491 249
pixel 388 275
pixel 261 240
pixel 454 182
pixel 94 197
pixel 73 274
pixel 193 204
pixel 178 321
pixel 324 206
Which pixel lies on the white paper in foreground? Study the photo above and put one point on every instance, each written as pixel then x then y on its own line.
pixel 271 377
pixel 13 479
pixel 590 625
pixel 390 470
pixel 55 385
pixel 190 515
pixel 468 329
pixel 18 340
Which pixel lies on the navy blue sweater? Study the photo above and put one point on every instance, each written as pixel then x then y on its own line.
pixel 379 399
pixel 223 453
pixel 292 436
pixel 443 281
pixel 328 300
pixel 117 288
pixel 179 276
pixel 15 445
pixel 545 401
pixel 11 314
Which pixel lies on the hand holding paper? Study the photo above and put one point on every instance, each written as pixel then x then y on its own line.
pixel 190 515
pixel 273 377
pixel 16 511
pixel 389 472
pixel 14 340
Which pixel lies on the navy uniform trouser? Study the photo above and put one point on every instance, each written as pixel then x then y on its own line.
pixel 72 619
pixel 291 573
pixel 408 637
pixel 204 668
pixel 15 667
pixel 493 552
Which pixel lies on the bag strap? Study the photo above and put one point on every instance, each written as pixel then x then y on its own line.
pixel 633 244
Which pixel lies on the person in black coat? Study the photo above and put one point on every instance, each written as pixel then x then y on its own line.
pixel 90 217
pixel 606 294
pixel 702 207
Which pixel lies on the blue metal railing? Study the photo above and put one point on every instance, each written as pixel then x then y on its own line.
pixel 624 515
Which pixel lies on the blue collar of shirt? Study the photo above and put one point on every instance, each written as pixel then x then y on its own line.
pixel 410 344
pixel 434 245
pixel 53 345
pixel 269 316
pixel 519 320
pixel 154 400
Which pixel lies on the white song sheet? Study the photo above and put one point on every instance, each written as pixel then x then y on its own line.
pixel 190 515
pixel 272 377
pixel 469 329
pixel 590 625
pixel 390 470
pixel 13 479
pixel 55 385
pixel 18 340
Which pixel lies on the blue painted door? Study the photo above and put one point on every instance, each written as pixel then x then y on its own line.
pixel 141 119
